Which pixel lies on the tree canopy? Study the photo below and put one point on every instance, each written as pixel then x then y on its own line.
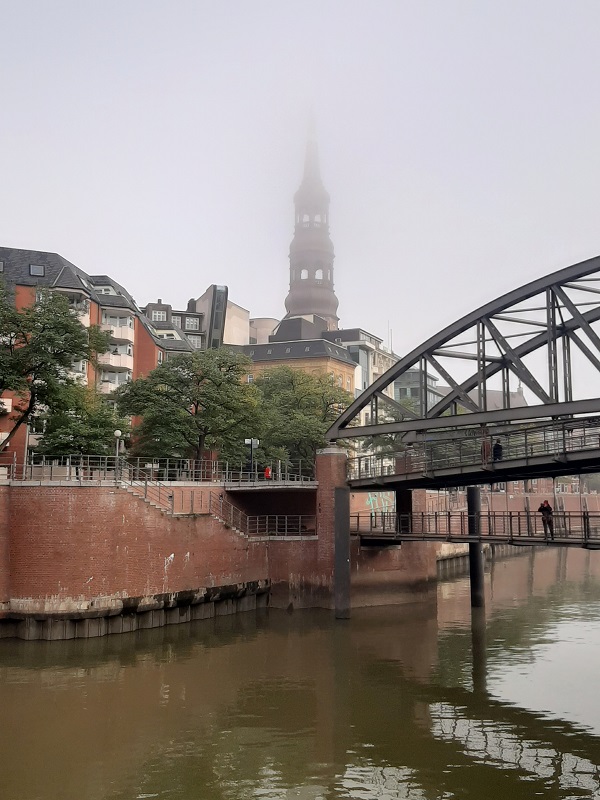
pixel 199 402
pixel 83 423
pixel 193 403
pixel 39 346
pixel 297 410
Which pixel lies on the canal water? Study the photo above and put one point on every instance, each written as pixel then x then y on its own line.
pixel 409 701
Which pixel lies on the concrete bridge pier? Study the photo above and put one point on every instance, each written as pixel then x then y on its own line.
pixel 476 573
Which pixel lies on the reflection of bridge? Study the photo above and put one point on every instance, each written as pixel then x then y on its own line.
pixel 461 422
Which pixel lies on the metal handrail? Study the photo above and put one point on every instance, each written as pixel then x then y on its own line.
pixel 565 527
pixel 553 440
pixel 99 467
pixel 261 524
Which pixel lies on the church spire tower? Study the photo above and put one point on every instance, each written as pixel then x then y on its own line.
pixel 311 250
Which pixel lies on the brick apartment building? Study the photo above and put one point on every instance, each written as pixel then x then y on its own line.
pixel 136 346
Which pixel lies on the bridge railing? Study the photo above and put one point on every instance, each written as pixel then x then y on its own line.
pixel 98 468
pixel 553 441
pixel 565 526
pixel 261 524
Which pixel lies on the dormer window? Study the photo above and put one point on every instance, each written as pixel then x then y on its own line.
pixel 37 270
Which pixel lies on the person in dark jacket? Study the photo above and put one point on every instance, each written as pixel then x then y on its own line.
pixel 547 521
pixel 497 451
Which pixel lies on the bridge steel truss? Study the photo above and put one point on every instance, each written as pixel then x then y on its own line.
pixel 541 339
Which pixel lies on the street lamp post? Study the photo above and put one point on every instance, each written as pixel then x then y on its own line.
pixel 118 435
pixel 253 445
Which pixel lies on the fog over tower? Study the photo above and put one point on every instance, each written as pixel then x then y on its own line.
pixel 311 250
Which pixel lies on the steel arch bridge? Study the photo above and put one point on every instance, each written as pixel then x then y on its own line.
pixel 530 356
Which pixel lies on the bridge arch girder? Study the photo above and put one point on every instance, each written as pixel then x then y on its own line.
pixel 541 336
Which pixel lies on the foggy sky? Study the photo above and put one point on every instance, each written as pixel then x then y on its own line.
pixel 162 142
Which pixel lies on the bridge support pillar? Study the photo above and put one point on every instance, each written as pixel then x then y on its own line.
pixel 341 564
pixel 476 573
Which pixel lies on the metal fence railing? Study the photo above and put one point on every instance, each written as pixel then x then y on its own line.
pixel 564 527
pixel 261 524
pixel 475 447
pixel 165 470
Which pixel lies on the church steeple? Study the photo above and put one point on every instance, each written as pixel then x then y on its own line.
pixel 311 250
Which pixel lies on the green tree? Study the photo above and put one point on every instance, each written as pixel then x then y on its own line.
pixel 39 346
pixel 83 423
pixel 297 410
pixel 193 403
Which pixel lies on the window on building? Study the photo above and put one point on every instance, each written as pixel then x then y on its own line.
pixel 38 270
pixel 176 321
pixel 288 349
pixel 269 351
pixel 307 349
pixel 319 275
pixel 195 341
pixel 192 323
pixel 250 378
pixel 1 266
pixel 303 274
pixel 328 274
pixel 159 358
pixel 159 316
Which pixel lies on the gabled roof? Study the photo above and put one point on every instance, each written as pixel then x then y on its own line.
pixel 116 301
pixel 58 272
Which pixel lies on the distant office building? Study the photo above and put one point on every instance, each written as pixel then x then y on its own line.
pixel 261 328
pixel 186 326
pixel 315 356
pixel 368 352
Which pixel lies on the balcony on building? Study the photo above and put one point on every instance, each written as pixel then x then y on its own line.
pixel 117 360
pixel 110 380
pixel 78 371
pixel 120 326
pixel 78 302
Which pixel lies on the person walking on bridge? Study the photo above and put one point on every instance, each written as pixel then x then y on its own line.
pixel 546 511
pixel 497 450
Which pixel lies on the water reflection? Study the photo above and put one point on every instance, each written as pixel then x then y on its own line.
pixel 420 702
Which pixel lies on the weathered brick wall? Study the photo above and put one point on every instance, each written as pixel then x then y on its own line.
pixel 82 549
pixel 4 548
pixel 86 543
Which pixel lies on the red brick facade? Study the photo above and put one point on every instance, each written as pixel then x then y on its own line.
pixel 81 551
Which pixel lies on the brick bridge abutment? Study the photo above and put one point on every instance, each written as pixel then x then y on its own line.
pixel 78 561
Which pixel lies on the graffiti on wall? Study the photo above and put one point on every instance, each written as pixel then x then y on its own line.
pixel 381 501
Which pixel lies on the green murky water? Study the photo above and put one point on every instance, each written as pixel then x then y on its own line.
pixel 399 702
